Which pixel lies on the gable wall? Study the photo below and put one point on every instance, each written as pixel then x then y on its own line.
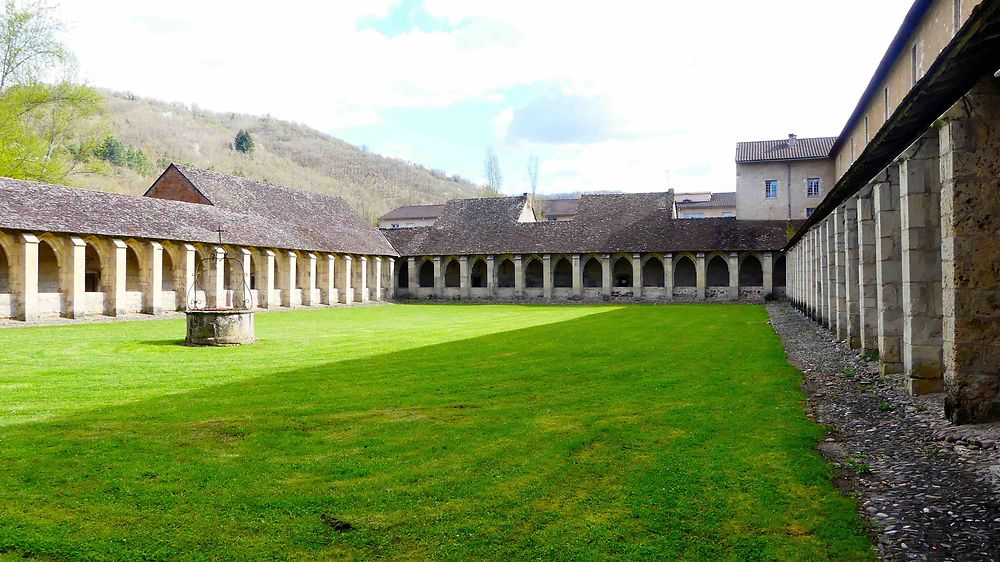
pixel 174 186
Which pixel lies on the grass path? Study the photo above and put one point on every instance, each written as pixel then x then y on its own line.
pixel 444 432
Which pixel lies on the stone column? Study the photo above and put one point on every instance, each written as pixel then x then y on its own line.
pixel 767 264
pixel 348 276
pixel 668 276
pixel 606 275
pixel 636 276
pixel 518 277
pixel 188 266
pixel 378 278
pixel 438 278
pixel 839 274
pixel 815 286
pixel 699 270
pixel 851 290
pixel 75 280
pixel 115 282
pixel 391 286
pixel 830 275
pixel 332 295
pixel 465 283
pixel 311 293
pixel 920 222
pixel 266 280
pixel 411 276
pixel 291 281
pixel 734 276
pixel 491 276
pixel 577 277
pixel 152 297
pixel 547 276
pixel 363 271
pixel 888 271
pixel 867 278
pixel 970 252
pixel 27 306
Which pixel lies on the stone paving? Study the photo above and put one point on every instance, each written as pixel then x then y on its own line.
pixel 930 490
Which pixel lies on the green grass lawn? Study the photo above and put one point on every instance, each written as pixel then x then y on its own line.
pixel 445 432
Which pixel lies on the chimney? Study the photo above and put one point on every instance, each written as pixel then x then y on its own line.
pixel 791 140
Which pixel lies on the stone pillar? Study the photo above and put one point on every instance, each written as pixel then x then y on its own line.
pixel 75 280
pixel 311 293
pixel 606 275
pixel 152 297
pixel 839 274
pixel 888 271
pixel 815 286
pixel 867 278
pixel 920 222
pixel 668 277
pixel 699 270
pixel 636 276
pixel 348 295
pixel 970 252
pixel 378 278
pixel 332 295
pixel 491 276
pixel 438 278
pixel 851 289
pixel 185 291
pixel 734 276
pixel 518 277
pixel 411 276
pixel 391 286
pixel 115 282
pixel 829 275
pixel 27 306
pixel 291 280
pixel 465 283
pixel 266 280
pixel 767 264
pixel 547 276
pixel 363 270
pixel 577 277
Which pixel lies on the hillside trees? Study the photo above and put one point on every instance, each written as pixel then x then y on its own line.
pixel 243 142
pixel 47 131
pixel 494 178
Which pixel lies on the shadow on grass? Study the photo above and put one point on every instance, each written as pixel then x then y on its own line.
pixel 636 433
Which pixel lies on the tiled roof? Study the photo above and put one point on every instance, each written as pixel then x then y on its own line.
pixel 718 200
pixel 43 207
pixel 783 149
pixel 639 222
pixel 414 212
pixel 560 207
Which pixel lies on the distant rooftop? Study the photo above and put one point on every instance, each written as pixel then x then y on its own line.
pixel 414 212
pixel 716 200
pixel 561 207
pixel 792 148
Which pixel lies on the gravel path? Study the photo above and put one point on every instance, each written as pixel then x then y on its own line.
pixel 930 490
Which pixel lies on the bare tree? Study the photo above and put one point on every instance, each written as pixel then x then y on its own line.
pixel 533 181
pixel 494 178
pixel 29 43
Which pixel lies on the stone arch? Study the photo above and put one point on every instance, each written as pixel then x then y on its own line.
pixel 652 273
pixel 94 277
pixel 562 273
pixel 479 273
pixel 685 273
pixel 534 274
pixel 4 270
pixel 49 263
pixel 453 274
pixel 778 279
pixel 593 273
pixel 135 268
pixel 751 272
pixel 505 273
pixel 403 274
pixel 168 271
pixel 717 272
pixel 426 274
pixel 621 272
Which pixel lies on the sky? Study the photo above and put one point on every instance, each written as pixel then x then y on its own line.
pixel 629 96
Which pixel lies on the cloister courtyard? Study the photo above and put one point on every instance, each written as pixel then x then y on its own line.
pixel 432 431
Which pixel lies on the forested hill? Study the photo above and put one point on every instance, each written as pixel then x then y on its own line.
pixel 150 134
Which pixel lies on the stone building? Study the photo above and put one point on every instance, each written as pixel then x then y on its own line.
pixel 902 256
pixel 705 205
pixel 74 252
pixel 409 216
pixel 782 179
pixel 626 246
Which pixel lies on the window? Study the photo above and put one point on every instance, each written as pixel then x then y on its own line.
pixel 726 214
pixel 810 211
pixel 694 215
pixel 770 189
pixel 812 187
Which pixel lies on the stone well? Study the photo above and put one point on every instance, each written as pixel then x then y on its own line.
pixel 220 327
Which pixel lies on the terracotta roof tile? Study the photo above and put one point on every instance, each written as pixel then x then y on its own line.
pixel 777 150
